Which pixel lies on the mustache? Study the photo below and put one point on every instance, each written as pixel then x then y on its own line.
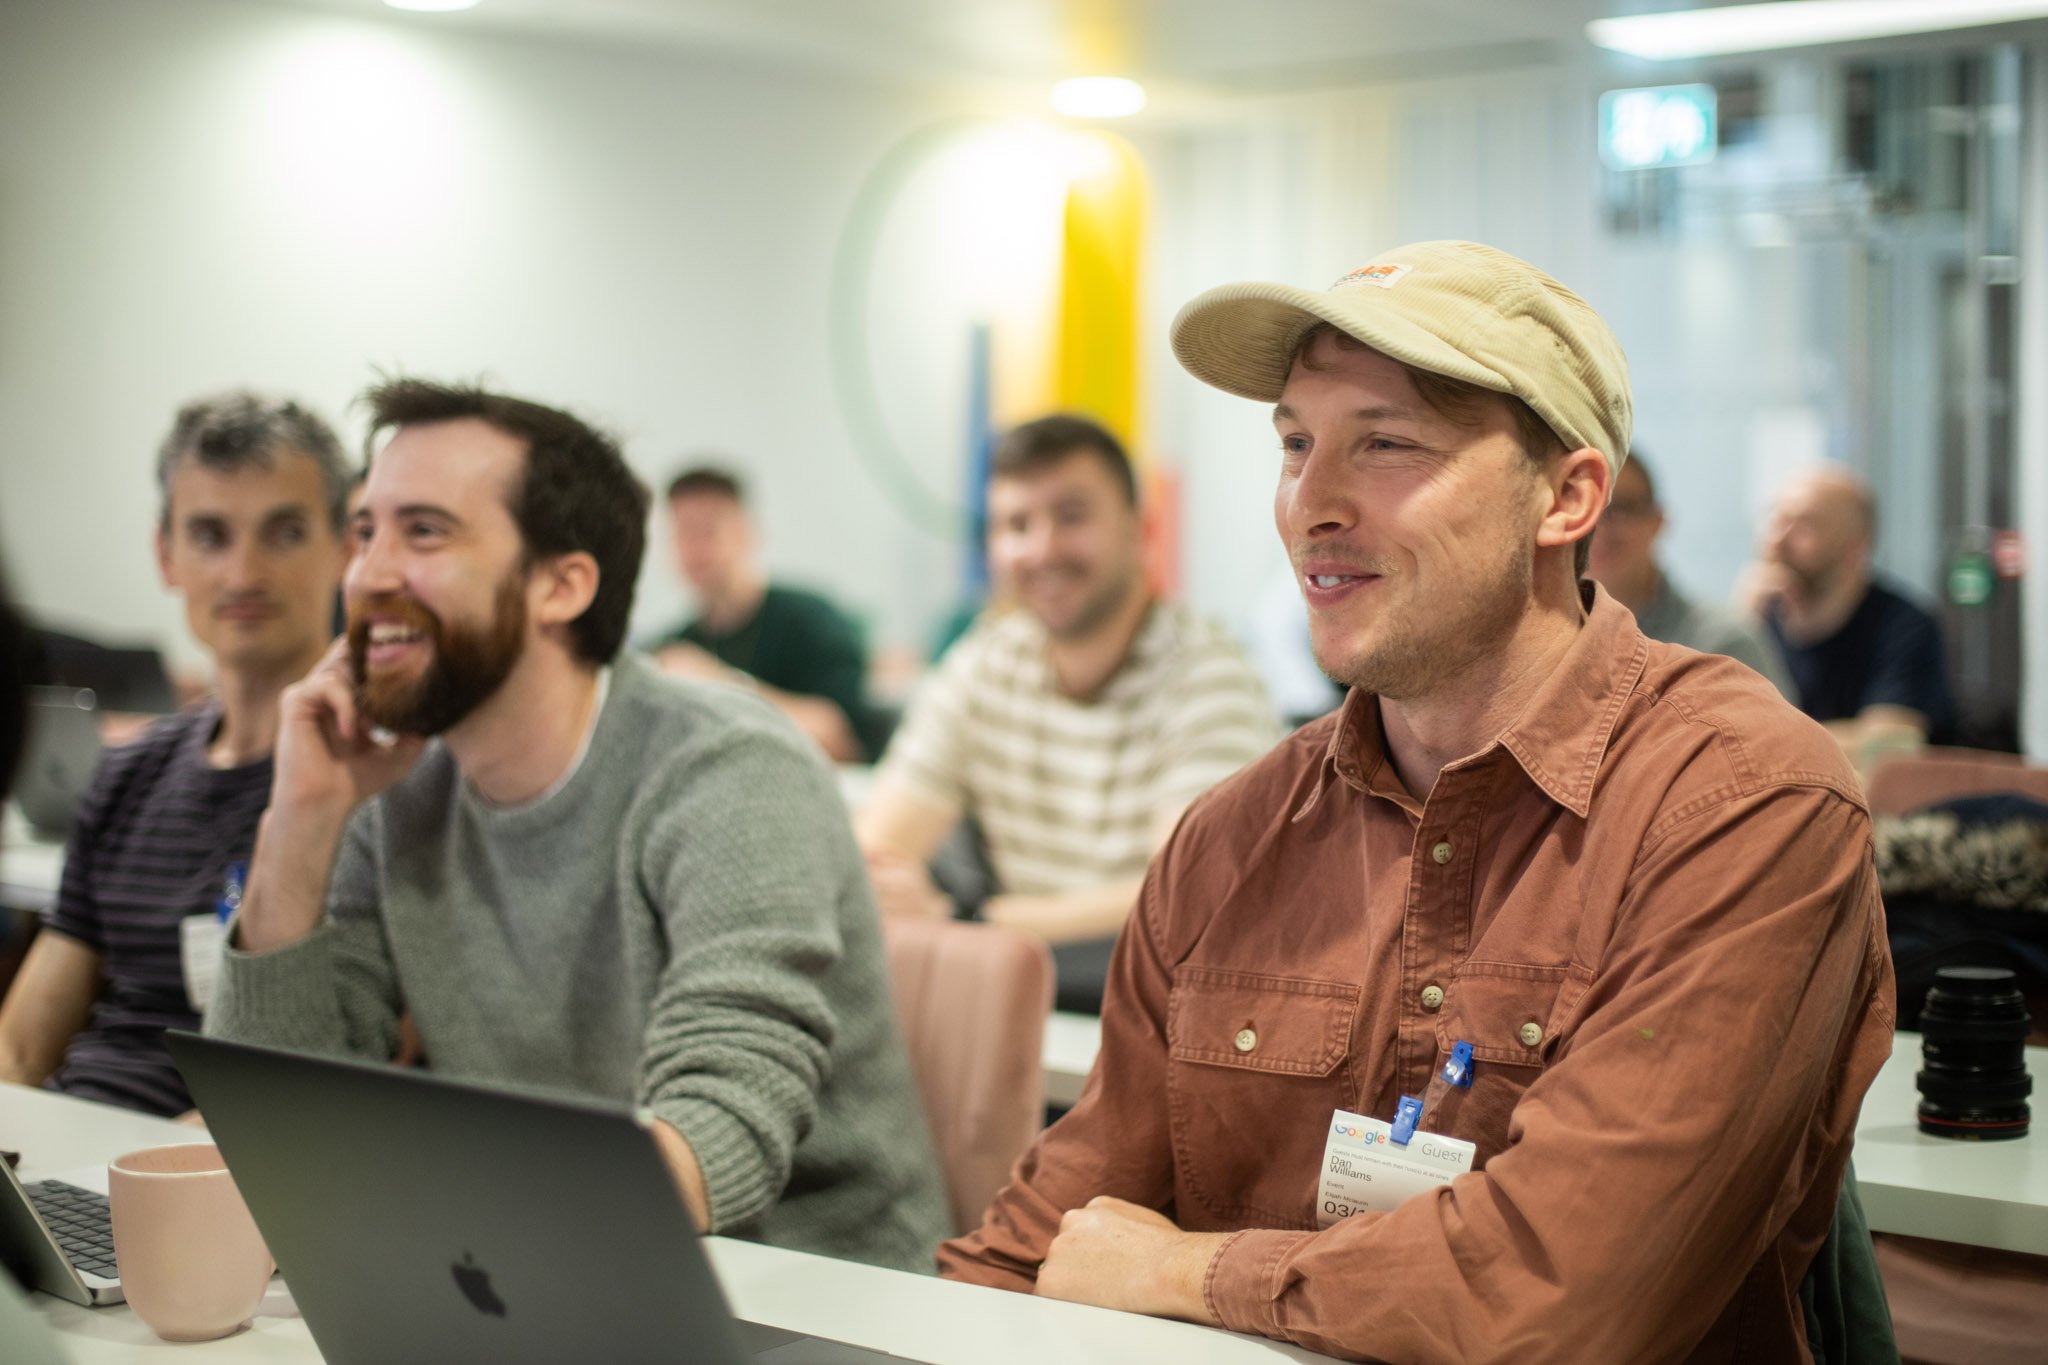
pixel 408 611
pixel 385 607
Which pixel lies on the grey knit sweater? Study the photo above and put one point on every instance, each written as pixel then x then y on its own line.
pixel 684 924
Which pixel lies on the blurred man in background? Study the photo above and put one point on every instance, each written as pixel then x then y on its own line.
pixel 1864 660
pixel 1074 730
pixel 1624 560
pixel 249 536
pixel 793 647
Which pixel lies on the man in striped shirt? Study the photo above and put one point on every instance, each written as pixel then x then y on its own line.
pixel 1074 729
pixel 250 537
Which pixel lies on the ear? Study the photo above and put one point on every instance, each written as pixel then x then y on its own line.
pixel 562 588
pixel 162 546
pixel 1577 485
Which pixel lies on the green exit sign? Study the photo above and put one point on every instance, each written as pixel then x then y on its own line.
pixel 1659 125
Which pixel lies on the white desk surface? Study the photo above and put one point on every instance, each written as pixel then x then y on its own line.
pixel 913 1316
pixel 1071 1042
pixel 1992 1194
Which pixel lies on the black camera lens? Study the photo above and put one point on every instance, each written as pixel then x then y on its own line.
pixel 1973 1034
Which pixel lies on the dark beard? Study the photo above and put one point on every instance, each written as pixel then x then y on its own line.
pixel 468 665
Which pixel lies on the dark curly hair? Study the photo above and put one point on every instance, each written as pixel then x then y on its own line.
pixel 577 493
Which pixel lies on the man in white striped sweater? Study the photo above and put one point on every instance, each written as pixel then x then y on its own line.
pixel 1073 729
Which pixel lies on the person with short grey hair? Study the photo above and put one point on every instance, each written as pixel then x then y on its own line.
pixel 238 429
pixel 249 536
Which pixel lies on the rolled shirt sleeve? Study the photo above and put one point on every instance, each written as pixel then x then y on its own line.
pixel 1644 1172
pixel 1117 1139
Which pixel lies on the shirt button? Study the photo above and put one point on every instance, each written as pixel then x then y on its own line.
pixel 1432 997
pixel 1442 853
pixel 1246 1040
pixel 1532 1033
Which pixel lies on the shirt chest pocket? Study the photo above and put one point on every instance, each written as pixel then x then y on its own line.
pixel 1511 1014
pixel 1256 1064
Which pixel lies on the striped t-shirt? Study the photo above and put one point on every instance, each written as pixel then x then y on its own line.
pixel 1072 794
pixel 152 842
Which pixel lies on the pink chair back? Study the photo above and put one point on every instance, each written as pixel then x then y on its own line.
pixel 1909 782
pixel 973 1000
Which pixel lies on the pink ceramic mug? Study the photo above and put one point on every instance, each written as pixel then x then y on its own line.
pixel 191 1261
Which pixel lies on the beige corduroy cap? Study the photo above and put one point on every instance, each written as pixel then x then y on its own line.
pixel 1454 308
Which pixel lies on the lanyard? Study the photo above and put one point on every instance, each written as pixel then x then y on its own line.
pixel 1457 1071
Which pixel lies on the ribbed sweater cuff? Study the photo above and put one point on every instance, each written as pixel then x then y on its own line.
pixel 284 998
pixel 736 1184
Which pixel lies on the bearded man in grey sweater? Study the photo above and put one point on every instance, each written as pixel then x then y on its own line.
pixel 595 878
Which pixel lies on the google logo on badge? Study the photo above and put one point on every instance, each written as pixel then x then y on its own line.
pixel 1359 1134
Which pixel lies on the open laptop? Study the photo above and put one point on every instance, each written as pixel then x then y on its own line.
pixel 418 1218
pixel 57 761
pixel 55 1237
pixel 125 677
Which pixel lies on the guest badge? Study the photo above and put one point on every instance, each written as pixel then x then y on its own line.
pixel 202 940
pixel 1366 1171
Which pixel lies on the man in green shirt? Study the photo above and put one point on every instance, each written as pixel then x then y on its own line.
pixel 793 647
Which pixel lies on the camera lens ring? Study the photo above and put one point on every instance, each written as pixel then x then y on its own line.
pixel 1973 1083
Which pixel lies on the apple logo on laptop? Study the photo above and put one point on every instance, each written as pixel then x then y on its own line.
pixel 475 1283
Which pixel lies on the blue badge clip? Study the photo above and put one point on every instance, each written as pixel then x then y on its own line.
pixel 1405 1119
pixel 1458 1070
pixel 231 892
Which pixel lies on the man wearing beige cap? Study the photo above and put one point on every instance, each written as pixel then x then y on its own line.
pixel 1521 1009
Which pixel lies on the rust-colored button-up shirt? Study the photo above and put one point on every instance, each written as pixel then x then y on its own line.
pixel 1649 907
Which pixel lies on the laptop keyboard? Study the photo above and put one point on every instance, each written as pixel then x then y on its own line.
pixel 79 1221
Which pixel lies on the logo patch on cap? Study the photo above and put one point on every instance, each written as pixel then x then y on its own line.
pixel 1385 276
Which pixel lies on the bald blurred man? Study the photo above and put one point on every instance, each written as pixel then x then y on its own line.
pixel 1866 661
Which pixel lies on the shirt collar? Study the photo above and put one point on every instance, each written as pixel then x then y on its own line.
pixel 1560 738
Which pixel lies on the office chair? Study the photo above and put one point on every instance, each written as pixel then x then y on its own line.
pixel 1906 783
pixel 973 1000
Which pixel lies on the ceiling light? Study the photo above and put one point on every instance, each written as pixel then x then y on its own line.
pixel 432 6
pixel 1796 23
pixel 1098 97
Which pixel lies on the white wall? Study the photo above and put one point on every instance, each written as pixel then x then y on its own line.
pixel 222 192
pixel 1720 337
pixel 1304 190
pixel 1746 358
